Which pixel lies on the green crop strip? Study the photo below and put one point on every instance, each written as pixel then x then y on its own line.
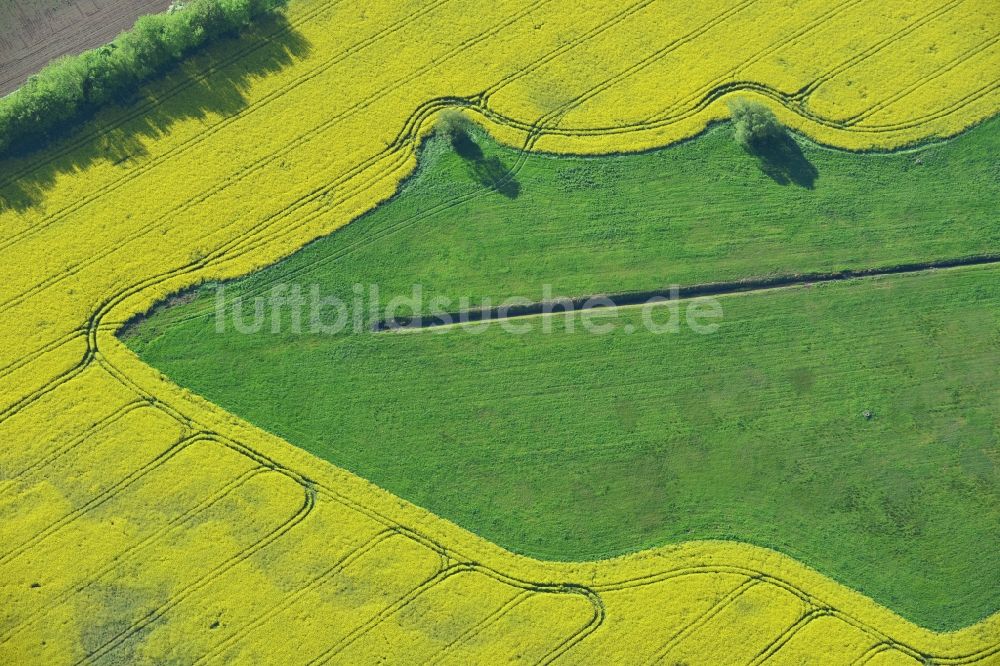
pixel 570 445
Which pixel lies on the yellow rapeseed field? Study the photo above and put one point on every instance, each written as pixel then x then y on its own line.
pixel 143 524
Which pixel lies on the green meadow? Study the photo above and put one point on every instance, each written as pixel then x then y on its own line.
pixel 853 425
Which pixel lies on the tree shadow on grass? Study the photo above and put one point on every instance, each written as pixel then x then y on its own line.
pixel 118 134
pixel 782 160
pixel 487 171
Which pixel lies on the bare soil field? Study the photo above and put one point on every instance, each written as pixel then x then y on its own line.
pixel 34 33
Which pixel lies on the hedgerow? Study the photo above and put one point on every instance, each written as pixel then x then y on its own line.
pixel 70 87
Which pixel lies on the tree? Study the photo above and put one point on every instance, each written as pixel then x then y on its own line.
pixel 453 124
pixel 778 153
pixel 755 127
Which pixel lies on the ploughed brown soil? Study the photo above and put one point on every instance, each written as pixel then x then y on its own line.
pixel 34 32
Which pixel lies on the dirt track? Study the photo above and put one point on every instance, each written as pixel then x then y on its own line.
pixel 33 32
pixel 444 319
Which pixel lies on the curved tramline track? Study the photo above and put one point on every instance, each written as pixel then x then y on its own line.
pixel 566 612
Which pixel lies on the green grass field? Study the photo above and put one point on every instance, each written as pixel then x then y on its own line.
pixel 579 446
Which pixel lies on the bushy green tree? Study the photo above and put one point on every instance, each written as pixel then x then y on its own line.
pixel 236 13
pixel 754 126
pixel 452 123
pixel 107 77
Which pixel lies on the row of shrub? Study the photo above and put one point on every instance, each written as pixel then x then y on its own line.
pixel 73 86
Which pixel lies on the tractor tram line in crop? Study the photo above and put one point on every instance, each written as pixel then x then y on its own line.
pixel 755 577
pixel 881 643
pixel 105 355
pixel 406 139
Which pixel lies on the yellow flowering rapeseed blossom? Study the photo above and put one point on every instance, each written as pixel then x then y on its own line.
pixel 141 523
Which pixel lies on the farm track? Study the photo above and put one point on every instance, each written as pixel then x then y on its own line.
pixel 353 189
pixel 621 300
